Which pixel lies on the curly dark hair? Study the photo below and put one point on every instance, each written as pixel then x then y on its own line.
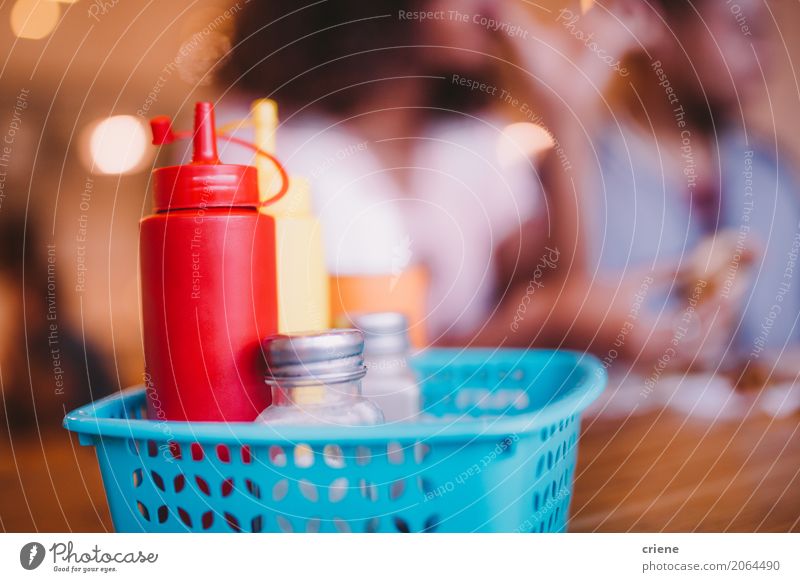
pixel 328 53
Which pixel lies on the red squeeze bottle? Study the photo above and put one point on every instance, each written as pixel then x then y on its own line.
pixel 208 276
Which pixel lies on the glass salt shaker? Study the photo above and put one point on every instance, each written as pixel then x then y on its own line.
pixel 316 380
pixel 390 382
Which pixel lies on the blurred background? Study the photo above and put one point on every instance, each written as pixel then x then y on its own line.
pixel 613 176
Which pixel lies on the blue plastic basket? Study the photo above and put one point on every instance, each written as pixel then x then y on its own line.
pixel 499 458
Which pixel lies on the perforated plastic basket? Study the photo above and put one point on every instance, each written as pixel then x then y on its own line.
pixel 500 457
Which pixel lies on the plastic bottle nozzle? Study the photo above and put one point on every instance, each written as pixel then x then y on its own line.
pixel 205 139
pixel 264 113
pixel 161 127
pixel 265 120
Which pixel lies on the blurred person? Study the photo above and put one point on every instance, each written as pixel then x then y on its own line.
pixel 45 369
pixel 617 242
pixel 392 109
pixel 679 221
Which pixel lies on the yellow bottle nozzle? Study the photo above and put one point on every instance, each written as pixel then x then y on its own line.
pixel 264 113
pixel 303 294
pixel 265 120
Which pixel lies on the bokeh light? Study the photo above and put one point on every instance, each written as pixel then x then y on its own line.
pixel 34 19
pixel 522 141
pixel 116 145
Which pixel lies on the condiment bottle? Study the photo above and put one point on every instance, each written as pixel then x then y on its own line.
pixel 208 281
pixel 390 382
pixel 303 290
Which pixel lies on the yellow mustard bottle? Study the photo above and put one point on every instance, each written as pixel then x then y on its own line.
pixel 303 291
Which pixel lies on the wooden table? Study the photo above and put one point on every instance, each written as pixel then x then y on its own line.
pixel 662 472
pixel 656 472
pixel 50 484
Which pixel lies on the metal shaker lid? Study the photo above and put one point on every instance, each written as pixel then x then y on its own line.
pixel 385 333
pixel 315 357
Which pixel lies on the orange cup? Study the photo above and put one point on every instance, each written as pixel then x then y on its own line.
pixel 406 293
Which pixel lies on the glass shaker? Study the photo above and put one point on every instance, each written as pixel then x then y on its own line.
pixel 316 380
pixel 390 381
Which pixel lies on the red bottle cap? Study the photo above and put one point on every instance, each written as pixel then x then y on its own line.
pixel 205 183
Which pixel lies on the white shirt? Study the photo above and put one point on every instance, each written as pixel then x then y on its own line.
pixel 461 203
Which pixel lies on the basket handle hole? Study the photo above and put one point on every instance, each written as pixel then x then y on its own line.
pixel 333 455
pixel 363 455
pixel 257 524
pixel 338 489
pixel 158 481
pixel 143 510
pixel 277 456
pixel 203 485
pixel 185 517
pixel 397 488
pixel 207 520
pixel 303 456
pixel 232 522
pixel 395 453
pixel 368 490
pixel 253 488
pixel 223 453
pixel 280 490
pixel 227 487
pixel 341 525
pixel 431 524
pixel 197 452
pixel 309 490
pixel 179 483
